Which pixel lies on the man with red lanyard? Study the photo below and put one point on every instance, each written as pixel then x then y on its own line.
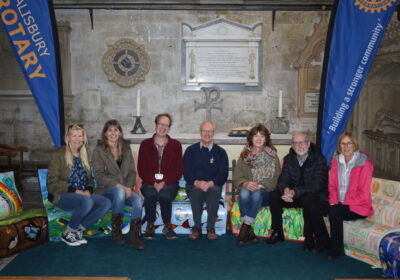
pixel 160 166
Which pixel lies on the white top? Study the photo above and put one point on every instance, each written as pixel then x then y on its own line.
pixel 344 175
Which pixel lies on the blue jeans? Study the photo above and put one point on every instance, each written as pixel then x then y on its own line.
pixel 250 203
pixel 85 210
pixel 118 198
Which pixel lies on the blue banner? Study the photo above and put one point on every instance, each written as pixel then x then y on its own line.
pixel 358 29
pixel 28 25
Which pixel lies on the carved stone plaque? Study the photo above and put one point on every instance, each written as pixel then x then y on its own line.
pixel 126 63
pixel 310 67
pixel 311 102
pixel 224 54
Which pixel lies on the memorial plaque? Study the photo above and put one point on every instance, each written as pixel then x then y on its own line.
pixel 221 65
pixel 311 101
pixel 224 54
pixel 310 66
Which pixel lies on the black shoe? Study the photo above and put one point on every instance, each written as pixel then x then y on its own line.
pixel 308 247
pixel 336 254
pixel 69 238
pixel 169 232
pixel 320 249
pixel 150 232
pixel 274 238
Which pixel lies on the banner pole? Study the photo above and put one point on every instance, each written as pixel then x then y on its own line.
pixel 59 71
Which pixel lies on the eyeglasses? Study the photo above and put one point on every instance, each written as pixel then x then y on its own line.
pixel 348 144
pixel 207 131
pixel 163 124
pixel 300 143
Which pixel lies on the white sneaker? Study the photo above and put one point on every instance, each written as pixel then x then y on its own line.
pixel 70 239
pixel 79 237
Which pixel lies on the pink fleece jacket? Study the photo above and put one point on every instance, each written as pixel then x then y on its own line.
pixel 358 196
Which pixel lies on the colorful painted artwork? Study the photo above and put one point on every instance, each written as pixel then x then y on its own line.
pixel 389 253
pixel 292 221
pixel 10 200
pixel 22 232
pixel 182 219
pixel 58 218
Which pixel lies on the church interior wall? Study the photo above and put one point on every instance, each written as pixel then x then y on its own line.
pixel 93 99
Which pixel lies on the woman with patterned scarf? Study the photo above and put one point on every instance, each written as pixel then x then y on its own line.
pixel 255 176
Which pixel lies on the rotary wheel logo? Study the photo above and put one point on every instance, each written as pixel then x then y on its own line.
pixel 126 63
pixel 374 5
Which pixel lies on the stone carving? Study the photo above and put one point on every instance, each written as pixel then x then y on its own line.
pixel 222 53
pixel 126 63
pixel 211 103
pixel 387 122
pixel 310 67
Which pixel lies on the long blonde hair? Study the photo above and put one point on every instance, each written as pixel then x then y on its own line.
pixel 82 151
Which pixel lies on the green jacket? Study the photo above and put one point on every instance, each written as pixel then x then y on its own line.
pixel 58 175
pixel 108 173
pixel 242 173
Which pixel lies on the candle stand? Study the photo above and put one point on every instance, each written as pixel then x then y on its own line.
pixel 138 127
pixel 279 126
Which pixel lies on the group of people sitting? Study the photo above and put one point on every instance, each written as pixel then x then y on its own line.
pixel 257 177
pixel 342 193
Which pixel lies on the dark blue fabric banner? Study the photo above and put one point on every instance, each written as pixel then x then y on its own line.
pixel 28 26
pixel 358 29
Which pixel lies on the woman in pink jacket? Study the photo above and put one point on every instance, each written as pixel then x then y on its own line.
pixel 349 189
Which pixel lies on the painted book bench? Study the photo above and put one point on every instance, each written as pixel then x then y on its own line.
pixel 181 219
pixel 363 238
pixel 292 221
pixel 19 230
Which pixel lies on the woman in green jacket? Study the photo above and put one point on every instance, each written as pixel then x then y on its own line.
pixel 114 170
pixel 255 176
pixel 70 186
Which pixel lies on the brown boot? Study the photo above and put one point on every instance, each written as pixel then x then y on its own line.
pixel 252 236
pixel 116 229
pixel 243 237
pixel 134 234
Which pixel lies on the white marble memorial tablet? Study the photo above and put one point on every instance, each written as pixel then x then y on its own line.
pixel 224 54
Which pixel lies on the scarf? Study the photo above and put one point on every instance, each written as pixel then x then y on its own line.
pixel 262 165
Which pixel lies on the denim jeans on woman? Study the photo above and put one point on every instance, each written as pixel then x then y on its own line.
pixel 250 203
pixel 85 210
pixel 117 196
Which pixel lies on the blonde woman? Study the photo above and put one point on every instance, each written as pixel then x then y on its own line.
pixel 70 186
pixel 349 189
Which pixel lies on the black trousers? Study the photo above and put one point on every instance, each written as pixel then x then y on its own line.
pixel 198 197
pixel 313 211
pixel 165 197
pixel 337 214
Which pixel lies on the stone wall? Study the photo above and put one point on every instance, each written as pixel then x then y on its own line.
pixel 94 99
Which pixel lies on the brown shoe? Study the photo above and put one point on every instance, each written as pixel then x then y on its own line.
pixel 196 233
pixel 211 235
